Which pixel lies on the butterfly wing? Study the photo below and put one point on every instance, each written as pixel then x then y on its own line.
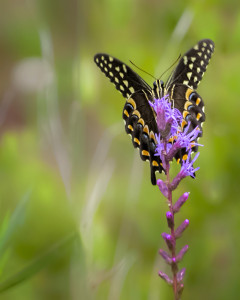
pixel 192 65
pixel 141 124
pixel 125 79
pixel 182 84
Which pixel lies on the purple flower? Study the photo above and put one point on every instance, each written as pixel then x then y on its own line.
pixel 168 118
pixel 187 169
pixel 184 139
pixel 170 140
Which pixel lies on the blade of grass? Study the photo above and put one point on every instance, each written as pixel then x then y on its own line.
pixel 56 251
pixel 14 222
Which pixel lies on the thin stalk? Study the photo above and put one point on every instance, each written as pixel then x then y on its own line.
pixel 174 265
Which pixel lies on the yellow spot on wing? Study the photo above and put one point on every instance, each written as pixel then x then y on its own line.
pixel 136 141
pixel 145 153
pixel 152 136
pixel 154 163
pixel 146 129
pixel 137 113
pixel 187 104
pixel 130 127
pixel 126 113
pixel 189 74
pixel 185 60
pixel 141 121
pixel 198 116
pixel 184 123
pixel 198 101
pixel 131 89
pixel 132 102
pixel 188 92
pixel 185 113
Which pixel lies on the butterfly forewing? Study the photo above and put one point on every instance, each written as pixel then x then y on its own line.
pixel 192 65
pixel 125 79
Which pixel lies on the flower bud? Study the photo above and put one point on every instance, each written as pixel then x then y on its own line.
pixel 165 256
pixel 181 228
pixel 170 219
pixel 182 253
pixel 181 274
pixel 169 240
pixel 182 199
pixel 162 187
pixel 165 277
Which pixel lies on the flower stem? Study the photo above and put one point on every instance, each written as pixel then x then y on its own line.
pixel 173 250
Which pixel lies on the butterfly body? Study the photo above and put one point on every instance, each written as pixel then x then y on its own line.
pixel 139 117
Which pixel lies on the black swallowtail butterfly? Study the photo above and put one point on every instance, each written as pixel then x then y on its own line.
pixel 181 87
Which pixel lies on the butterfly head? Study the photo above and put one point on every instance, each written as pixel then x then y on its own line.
pixel 158 89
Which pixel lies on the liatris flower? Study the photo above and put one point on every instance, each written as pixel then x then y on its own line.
pixel 170 141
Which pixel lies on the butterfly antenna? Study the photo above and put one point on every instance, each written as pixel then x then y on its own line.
pixel 171 66
pixel 142 70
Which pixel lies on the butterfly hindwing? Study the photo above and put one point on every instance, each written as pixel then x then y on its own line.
pixel 191 105
pixel 125 79
pixel 192 65
pixel 140 123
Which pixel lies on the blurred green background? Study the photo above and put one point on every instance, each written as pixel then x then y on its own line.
pixel 79 218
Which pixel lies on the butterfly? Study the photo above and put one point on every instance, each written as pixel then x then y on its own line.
pixel 139 117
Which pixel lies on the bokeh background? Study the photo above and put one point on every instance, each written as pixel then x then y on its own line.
pixel 79 218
